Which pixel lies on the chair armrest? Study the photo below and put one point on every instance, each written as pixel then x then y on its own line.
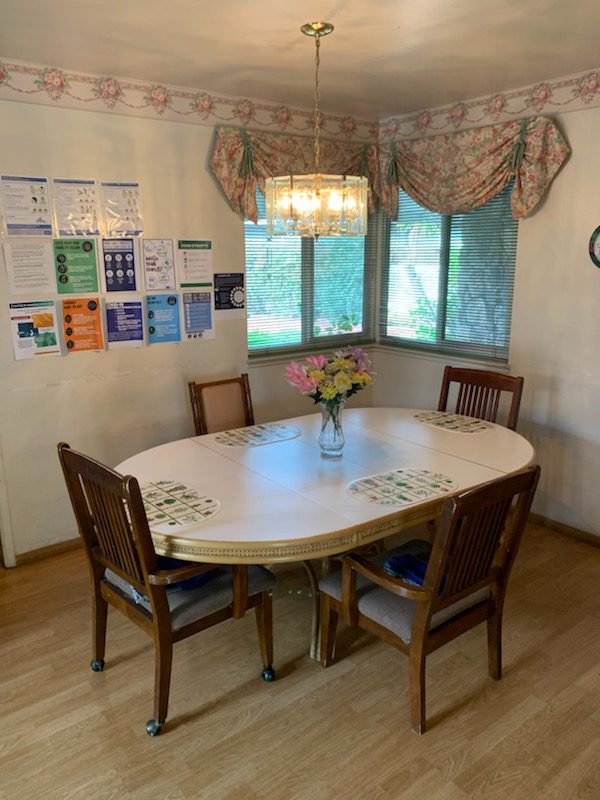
pixel 166 577
pixel 395 585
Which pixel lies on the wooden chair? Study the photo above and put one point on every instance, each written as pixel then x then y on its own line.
pixel 169 604
pixel 464 584
pixel 221 405
pixel 479 393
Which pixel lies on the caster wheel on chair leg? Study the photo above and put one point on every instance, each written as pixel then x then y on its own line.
pixel 268 674
pixel 97 664
pixel 153 727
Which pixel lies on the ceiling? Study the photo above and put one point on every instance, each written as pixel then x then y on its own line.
pixel 385 57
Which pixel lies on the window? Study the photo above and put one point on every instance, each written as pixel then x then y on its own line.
pixel 448 280
pixel 306 293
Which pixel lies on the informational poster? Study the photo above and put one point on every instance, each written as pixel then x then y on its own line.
pixel 82 324
pixel 162 312
pixel 29 266
pixel 195 263
pixel 26 206
pixel 119 265
pixel 229 295
pixel 124 323
pixel 75 265
pixel 197 316
pixel 121 206
pixel 158 264
pixel 76 207
pixel 34 329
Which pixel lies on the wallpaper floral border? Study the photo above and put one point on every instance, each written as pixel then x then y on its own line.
pixel 34 83
pixel 49 85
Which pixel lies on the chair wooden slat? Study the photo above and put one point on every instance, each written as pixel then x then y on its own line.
pixel 479 393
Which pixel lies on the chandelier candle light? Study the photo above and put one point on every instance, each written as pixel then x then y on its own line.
pixel 330 380
pixel 316 205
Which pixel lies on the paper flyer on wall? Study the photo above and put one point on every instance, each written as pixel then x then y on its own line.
pixel 195 263
pixel 158 264
pixel 29 266
pixel 26 205
pixel 121 206
pixel 124 323
pixel 197 316
pixel 119 265
pixel 163 318
pixel 34 329
pixel 82 324
pixel 229 295
pixel 76 207
pixel 75 265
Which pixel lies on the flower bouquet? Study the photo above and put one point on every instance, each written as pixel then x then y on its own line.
pixel 330 380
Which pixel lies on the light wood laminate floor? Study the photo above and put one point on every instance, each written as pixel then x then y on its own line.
pixel 69 733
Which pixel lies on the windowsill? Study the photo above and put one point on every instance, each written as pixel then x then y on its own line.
pixel 444 358
pixel 298 355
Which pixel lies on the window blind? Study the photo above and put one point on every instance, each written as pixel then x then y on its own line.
pixel 448 281
pixel 306 293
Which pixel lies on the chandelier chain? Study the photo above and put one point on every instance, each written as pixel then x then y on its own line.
pixel 317 107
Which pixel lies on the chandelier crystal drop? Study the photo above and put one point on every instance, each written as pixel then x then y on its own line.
pixel 316 205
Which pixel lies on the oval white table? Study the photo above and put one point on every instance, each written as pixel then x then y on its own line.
pixel 282 501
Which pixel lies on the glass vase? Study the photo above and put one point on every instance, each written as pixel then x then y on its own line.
pixel 331 438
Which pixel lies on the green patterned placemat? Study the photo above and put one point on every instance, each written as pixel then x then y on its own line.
pixel 453 422
pixel 401 487
pixel 255 435
pixel 170 505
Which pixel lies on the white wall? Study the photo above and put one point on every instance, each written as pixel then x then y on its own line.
pixel 554 342
pixel 114 403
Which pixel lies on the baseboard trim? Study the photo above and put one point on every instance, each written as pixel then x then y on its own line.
pixel 566 530
pixel 49 551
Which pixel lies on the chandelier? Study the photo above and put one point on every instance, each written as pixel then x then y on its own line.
pixel 316 205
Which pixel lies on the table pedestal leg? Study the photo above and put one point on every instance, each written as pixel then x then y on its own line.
pixel 314 588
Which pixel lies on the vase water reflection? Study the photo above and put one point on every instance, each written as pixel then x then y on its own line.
pixel 331 438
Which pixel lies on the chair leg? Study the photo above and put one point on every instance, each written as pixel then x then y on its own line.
pixel 162 680
pixel 494 637
pixel 264 625
pixel 417 689
pixel 329 620
pixel 99 612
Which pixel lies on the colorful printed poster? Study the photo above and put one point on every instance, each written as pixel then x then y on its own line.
pixel 76 266
pixel 162 311
pixel 124 323
pixel 121 204
pixel 159 265
pixel 118 256
pixel 34 329
pixel 229 295
pixel 194 257
pixel 29 266
pixel 82 324
pixel 197 316
pixel 26 203
pixel 76 207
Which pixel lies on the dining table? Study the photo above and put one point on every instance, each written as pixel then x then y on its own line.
pixel 265 494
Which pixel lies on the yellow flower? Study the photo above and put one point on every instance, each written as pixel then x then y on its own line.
pixel 343 363
pixel 328 392
pixel 316 374
pixel 342 382
pixel 363 378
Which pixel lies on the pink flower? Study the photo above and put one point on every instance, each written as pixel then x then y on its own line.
pixel 295 375
pixel 423 120
pixel 318 362
pixel 53 81
pixel 108 90
pixel 159 98
pixel 349 125
pixel 203 104
pixel 496 105
pixel 4 76
pixel 457 114
pixel 244 110
pixel 282 116
pixel 539 96
pixel 588 87
pixel 391 128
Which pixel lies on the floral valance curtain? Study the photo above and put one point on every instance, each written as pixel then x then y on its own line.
pixel 458 172
pixel 241 159
pixel 449 174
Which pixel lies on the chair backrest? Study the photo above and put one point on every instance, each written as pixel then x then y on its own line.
pixel 221 405
pixel 110 515
pixel 479 393
pixel 478 538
